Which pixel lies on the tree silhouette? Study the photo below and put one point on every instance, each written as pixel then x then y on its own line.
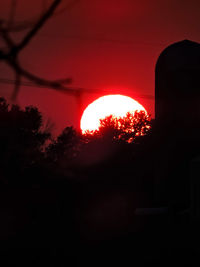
pixel 118 141
pixel 21 137
pixel 122 129
pixel 65 147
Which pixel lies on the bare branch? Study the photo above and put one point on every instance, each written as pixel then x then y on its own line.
pixel 23 25
pixel 54 84
pixel 38 25
pixel 11 52
pixel 67 7
pixel 6 37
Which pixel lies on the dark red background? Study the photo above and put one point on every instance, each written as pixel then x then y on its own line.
pixel 102 44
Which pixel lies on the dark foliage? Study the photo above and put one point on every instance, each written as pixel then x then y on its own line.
pixel 62 152
pixel 74 202
pixel 21 137
pixel 123 129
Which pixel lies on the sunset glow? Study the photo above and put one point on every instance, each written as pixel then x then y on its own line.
pixel 116 105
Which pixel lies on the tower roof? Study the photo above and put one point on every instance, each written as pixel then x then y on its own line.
pixel 181 55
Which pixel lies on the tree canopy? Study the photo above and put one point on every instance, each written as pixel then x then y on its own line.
pixel 21 136
pixel 122 129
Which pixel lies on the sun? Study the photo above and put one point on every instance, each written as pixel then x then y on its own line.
pixel 116 105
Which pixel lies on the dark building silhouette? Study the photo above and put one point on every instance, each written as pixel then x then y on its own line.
pixel 195 189
pixel 177 113
pixel 177 84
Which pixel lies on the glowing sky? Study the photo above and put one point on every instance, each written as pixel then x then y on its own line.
pixel 102 44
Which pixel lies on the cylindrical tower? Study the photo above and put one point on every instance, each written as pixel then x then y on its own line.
pixel 177 85
pixel 177 117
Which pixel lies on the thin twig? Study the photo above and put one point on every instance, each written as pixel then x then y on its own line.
pixel 38 25
pixel 6 37
pixel 11 53
pixel 67 7
pixel 16 86
pixel 26 74
pixel 19 26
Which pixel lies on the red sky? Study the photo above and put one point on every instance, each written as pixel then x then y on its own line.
pixel 102 44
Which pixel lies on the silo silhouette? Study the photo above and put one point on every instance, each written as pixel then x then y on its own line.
pixel 177 85
pixel 177 117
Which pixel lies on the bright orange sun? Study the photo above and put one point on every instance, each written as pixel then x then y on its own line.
pixel 116 105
